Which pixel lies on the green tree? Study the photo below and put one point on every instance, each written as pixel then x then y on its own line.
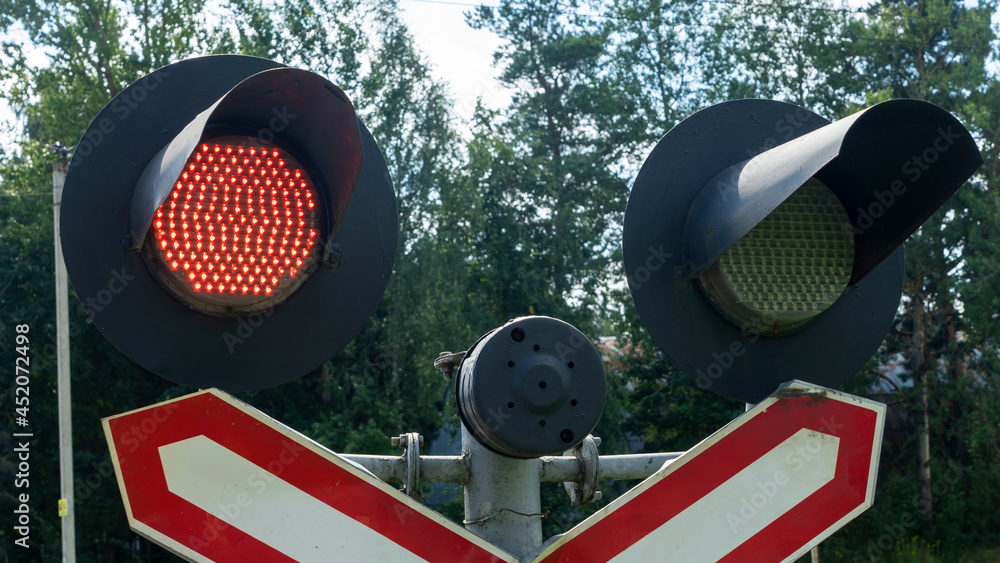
pixel 934 50
pixel 93 51
pixel 939 57
pixel 551 200
pixel 788 50
pixel 656 54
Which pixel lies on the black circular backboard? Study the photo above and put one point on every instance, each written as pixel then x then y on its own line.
pixel 153 328
pixel 733 361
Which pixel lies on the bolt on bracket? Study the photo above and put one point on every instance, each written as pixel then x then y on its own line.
pixel 411 442
pixel 584 489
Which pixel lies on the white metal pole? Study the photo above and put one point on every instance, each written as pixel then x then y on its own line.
pixel 502 498
pixel 63 379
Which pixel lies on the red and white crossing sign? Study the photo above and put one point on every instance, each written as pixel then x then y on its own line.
pixel 766 487
pixel 213 479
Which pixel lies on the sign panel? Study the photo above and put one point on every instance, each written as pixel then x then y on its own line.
pixel 766 487
pixel 213 479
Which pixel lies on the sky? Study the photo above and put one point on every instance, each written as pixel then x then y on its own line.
pixel 460 56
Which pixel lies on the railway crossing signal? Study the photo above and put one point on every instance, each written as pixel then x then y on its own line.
pixel 236 228
pixel 774 482
pixel 763 243
pixel 229 222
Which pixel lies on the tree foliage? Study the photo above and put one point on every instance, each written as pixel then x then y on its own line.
pixel 93 50
pixel 523 216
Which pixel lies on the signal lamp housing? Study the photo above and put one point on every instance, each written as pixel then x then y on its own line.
pixel 791 267
pixel 229 222
pixel 763 243
pixel 240 229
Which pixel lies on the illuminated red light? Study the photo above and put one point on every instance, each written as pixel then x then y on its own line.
pixel 222 170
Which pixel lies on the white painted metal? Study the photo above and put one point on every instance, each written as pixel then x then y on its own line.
pixel 433 469
pixel 63 395
pixel 502 498
pixel 244 495
pixel 745 504
pixel 554 469
pixel 412 455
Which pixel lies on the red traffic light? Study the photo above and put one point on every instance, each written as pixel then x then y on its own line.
pixel 234 228
pixel 240 229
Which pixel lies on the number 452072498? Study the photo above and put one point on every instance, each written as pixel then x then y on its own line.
pixel 22 374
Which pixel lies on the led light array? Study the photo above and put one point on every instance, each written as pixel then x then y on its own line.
pixel 798 259
pixel 241 220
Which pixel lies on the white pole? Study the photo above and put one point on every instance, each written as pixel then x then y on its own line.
pixel 63 385
pixel 502 498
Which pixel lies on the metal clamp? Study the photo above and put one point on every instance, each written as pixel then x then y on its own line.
pixel 447 362
pixel 411 442
pixel 584 490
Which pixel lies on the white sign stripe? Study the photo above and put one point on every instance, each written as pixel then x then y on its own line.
pixel 268 508
pixel 744 505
